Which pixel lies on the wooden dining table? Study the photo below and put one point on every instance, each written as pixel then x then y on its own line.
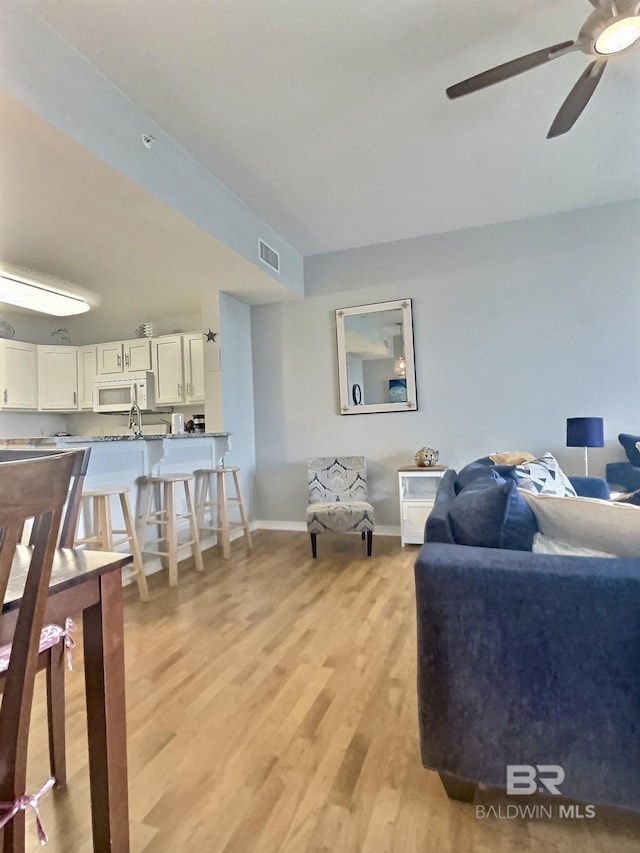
pixel 90 582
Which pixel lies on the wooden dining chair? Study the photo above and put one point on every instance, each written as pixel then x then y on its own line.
pixel 30 489
pixel 52 657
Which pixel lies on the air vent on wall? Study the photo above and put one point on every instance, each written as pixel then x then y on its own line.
pixel 269 256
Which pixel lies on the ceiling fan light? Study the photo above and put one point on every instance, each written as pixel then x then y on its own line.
pixel 618 36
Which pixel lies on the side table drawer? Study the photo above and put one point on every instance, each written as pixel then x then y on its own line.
pixel 414 518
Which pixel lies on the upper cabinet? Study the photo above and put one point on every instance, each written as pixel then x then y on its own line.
pixel 193 355
pixel 18 375
pixel 87 372
pixel 179 368
pixel 168 368
pixel 124 356
pixel 58 378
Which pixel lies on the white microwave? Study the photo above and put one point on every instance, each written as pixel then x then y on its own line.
pixel 118 395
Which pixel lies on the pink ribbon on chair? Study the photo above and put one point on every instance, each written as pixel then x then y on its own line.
pixel 22 804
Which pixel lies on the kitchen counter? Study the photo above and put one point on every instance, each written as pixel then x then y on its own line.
pixel 57 440
pixel 121 460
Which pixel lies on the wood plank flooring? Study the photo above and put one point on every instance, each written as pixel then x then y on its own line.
pixel 272 708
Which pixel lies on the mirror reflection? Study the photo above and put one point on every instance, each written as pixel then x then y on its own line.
pixel 375 358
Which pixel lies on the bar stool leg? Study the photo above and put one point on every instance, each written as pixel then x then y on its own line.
pixel 243 516
pixel 171 532
pixel 223 518
pixel 106 535
pixel 195 533
pixel 141 579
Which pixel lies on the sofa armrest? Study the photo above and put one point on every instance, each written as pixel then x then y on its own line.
pixel 591 487
pixel 530 659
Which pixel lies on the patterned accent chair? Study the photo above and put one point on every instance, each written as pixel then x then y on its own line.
pixel 338 498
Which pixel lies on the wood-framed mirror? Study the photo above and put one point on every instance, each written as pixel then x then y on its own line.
pixel 376 365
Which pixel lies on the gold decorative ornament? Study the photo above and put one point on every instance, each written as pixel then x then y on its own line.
pixel 426 457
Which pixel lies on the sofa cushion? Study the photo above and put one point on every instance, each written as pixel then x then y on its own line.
pixel 588 522
pixel 544 476
pixel 474 469
pixel 438 526
pixel 495 516
pixel 623 476
pixel 630 442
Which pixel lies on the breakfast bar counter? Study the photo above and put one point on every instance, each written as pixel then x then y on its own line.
pixel 118 461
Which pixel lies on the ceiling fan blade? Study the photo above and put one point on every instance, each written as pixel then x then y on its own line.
pixel 577 99
pixel 509 69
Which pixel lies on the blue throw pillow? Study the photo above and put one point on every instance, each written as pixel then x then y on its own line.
pixel 629 444
pixel 474 469
pixel 493 517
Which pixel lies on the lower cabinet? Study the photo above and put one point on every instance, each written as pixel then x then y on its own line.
pixel 18 375
pixel 58 378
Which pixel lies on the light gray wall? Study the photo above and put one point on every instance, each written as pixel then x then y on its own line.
pixel 237 391
pixel 516 327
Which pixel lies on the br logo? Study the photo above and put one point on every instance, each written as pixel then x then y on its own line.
pixel 532 779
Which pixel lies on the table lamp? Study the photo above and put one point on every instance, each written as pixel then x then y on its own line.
pixel 585 432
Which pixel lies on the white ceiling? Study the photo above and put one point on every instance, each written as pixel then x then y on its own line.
pixel 330 119
pixel 66 213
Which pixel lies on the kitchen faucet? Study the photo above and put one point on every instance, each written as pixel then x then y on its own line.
pixel 135 419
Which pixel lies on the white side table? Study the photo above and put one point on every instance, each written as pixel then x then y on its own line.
pixel 417 487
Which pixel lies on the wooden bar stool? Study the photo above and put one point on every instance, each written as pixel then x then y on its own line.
pixel 160 492
pixel 222 503
pixel 97 504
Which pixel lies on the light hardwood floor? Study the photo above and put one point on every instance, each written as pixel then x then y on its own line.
pixel 272 708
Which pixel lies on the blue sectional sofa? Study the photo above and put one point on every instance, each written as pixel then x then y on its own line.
pixel 526 658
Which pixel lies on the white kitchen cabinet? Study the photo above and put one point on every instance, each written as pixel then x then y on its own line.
pixel 57 378
pixel 417 487
pixel 87 371
pixel 169 369
pixel 137 355
pixel 124 356
pixel 18 375
pixel 193 355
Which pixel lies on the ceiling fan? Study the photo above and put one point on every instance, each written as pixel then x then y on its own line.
pixel 611 28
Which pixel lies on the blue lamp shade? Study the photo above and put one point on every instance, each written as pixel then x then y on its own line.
pixel 585 432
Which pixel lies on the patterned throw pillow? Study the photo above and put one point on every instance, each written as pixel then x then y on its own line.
pixel 544 476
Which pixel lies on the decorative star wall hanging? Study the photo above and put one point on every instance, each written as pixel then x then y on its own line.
pixel 211 336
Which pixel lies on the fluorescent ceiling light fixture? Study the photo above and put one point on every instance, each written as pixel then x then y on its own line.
pixel 618 36
pixel 38 297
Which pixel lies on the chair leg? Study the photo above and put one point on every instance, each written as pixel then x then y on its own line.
pixel 363 535
pixel 314 545
pixel 56 714
pixel 369 542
